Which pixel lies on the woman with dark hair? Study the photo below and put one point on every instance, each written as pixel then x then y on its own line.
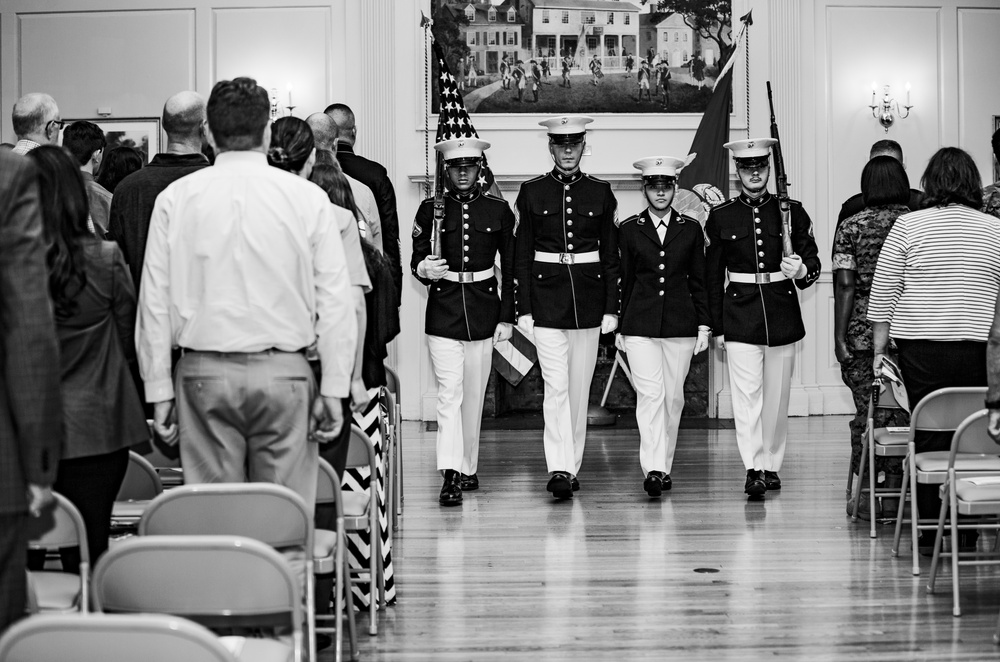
pixel 885 190
pixel 95 320
pixel 934 291
pixel 118 164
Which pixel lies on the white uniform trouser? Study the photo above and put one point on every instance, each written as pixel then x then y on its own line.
pixel 761 378
pixel 567 358
pixel 659 367
pixel 461 369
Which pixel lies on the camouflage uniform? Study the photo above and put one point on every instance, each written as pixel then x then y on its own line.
pixel 856 246
pixel 991 200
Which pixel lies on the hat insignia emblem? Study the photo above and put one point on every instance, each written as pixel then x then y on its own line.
pixel 461 143
pixel 659 161
pixel 565 120
pixel 750 144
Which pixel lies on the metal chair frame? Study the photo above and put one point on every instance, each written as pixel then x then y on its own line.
pixel 328 492
pixel 361 453
pixel 60 525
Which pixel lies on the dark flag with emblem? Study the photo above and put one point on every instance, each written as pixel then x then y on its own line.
pixel 453 119
pixel 704 182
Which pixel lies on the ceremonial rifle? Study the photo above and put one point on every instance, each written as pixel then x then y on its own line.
pixel 781 183
pixel 438 206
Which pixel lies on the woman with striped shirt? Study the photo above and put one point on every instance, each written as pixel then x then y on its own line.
pixel 934 291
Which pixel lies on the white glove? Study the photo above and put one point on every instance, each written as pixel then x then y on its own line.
pixel 701 344
pixel 620 342
pixel 609 323
pixel 720 342
pixel 502 332
pixel 792 267
pixel 432 267
pixel 526 323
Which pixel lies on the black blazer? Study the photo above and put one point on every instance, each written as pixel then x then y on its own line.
pixel 663 285
pixel 744 236
pixel 31 418
pixel 375 177
pixel 566 214
pixel 474 230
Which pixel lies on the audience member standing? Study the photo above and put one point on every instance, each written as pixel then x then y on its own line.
pixel 375 177
pixel 991 194
pixel 934 291
pixel 118 164
pixel 244 270
pixel 86 142
pixel 856 246
pixel 95 323
pixel 292 150
pixel 31 427
pixel 856 203
pixel 36 122
pixel 325 133
pixel 132 205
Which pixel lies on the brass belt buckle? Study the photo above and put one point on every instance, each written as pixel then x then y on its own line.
pixel 763 279
pixel 464 276
pixel 565 258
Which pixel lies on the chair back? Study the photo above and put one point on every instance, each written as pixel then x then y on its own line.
pixel 946 408
pixel 972 437
pixel 392 381
pixel 218 581
pixel 141 482
pixel 111 638
pixel 60 525
pixel 360 450
pixel 390 402
pixel 328 486
pixel 270 513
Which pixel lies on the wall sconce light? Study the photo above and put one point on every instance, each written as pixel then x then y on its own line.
pixel 273 94
pixel 882 108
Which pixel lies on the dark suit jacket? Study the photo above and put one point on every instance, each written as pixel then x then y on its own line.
pixel 31 423
pixel 101 406
pixel 663 284
pixel 375 177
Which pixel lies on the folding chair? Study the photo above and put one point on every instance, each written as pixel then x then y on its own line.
pixel 396 415
pixel 58 527
pixel 267 512
pixel 141 485
pixel 361 513
pixel 111 638
pixel 166 459
pixel 941 411
pixel 884 442
pixel 217 581
pixel 328 494
pixel 974 491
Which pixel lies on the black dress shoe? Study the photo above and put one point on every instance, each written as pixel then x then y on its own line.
pixel 772 481
pixel 560 485
pixel 667 483
pixel 755 486
pixel 451 491
pixel 654 483
pixel 470 483
pixel 576 484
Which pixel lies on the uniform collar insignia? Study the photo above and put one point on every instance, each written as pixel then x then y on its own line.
pixel 567 179
pixel 750 202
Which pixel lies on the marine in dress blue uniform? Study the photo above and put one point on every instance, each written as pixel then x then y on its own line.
pixel 566 289
pixel 756 317
pixel 664 313
pixel 468 310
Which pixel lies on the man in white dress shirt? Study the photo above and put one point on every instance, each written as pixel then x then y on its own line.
pixel 244 270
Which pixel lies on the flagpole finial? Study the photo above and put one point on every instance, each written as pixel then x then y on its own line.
pixel 425 21
pixel 747 18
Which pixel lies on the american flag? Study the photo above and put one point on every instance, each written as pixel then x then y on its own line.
pixel 453 119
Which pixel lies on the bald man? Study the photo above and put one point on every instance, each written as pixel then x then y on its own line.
pixel 374 176
pixel 132 205
pixel 36 122
pixel 325 134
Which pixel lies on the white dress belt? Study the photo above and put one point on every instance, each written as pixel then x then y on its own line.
pixel 568 258
pixel 468 276
pixel 757 278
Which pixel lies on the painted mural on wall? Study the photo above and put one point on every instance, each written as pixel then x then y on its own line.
pixel 584 56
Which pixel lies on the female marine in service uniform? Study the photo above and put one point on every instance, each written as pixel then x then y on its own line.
pixel 467 309
pixel 664 313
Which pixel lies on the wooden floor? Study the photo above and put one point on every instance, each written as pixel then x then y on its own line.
pixel 700 574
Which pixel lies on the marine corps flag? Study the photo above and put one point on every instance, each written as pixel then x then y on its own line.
pixel 453 118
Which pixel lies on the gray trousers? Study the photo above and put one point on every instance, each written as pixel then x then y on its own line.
pixel 245 418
